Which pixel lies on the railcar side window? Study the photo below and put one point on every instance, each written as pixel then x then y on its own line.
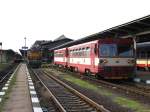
pixel 70 52
pixel 76 52
pixel 87 52
pixel 80 52
pixel 55 54
pixel 95 49
pixel 59 54
pixel 83 50
pixel 73 52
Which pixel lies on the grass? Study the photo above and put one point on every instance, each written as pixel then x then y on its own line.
pixel 87 85
pixel 120 100
pixel 136 106
pixel 3 65
pixel 124 102
pixel 82 83
pixel 7 92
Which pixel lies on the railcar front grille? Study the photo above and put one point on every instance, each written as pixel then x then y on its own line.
pixel 118 69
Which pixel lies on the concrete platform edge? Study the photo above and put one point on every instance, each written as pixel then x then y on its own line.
pixel 34 99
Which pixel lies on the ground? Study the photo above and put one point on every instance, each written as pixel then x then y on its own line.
pixel 3 65
pixel 110 99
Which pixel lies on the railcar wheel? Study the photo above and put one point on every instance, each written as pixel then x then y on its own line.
pixel 71 69
pixel 148 68
pixel 97 76
pixel 87 72
pixel 75 69
pixel 137 68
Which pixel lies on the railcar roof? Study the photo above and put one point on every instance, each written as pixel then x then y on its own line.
pixel 84 44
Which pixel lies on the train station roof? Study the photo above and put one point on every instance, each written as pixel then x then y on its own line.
pixel 58 41
pixel 138 28
pixel 23 52
pixel 143 45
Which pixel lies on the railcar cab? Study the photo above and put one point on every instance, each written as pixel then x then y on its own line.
pixel 60 57
pixel 116 58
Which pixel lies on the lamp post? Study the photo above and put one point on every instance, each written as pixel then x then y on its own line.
pixel 1 51
pixel 24 47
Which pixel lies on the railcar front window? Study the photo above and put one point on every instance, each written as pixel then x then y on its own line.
pixel 113 50
pixel 108 50
pixel 125 50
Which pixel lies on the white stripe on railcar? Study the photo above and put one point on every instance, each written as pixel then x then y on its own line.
pixel 60 59
pixel 85 61
pixel 118 61
pixel 110 61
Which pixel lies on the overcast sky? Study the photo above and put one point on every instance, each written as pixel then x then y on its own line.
pixel 48 19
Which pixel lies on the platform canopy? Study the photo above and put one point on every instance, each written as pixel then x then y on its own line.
pixel 23 52
pixel 139 28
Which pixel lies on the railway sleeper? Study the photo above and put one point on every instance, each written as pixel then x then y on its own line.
pixel 75 110
pixel 67 96
pixel 76 105
pixel 88 110
pixel 75 102
pixel 51 107
pixel 58 90
pixel 84 104
pixel 79 108
pixel 63 92
pixel 53 86
pixel 68 99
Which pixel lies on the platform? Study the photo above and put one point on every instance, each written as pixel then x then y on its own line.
pixel 19 98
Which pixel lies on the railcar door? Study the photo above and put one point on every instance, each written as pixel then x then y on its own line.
pixel 92 56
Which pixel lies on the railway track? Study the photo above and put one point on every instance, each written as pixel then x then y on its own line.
pixel 67 99
pixel 140 87
pixel 4 76
pixel 127 87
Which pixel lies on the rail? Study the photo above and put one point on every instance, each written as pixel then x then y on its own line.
pixel 74 94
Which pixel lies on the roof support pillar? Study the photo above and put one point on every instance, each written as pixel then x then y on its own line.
pixel 135 56
pixel 134 40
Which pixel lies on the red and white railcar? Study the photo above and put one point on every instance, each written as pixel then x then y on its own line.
pixel 108 58
pixel 60 57
pixel 83 57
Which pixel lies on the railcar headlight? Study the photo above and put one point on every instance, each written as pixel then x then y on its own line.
pixel 103 61
pixel 131 61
